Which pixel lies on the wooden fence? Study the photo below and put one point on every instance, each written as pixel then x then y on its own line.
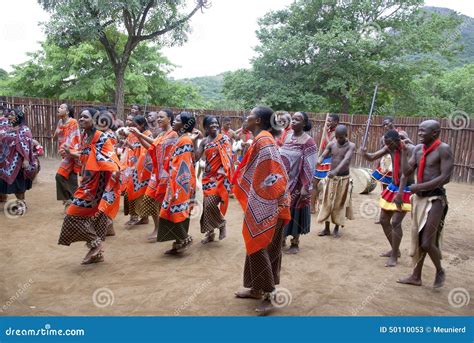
pixel 41 117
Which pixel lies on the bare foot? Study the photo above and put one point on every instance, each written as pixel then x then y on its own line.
pixel 110 230
pixel 325 232
pixel 264 308
pixel 292 250
pixel 133 220
pixel 142 221
pixel 439 279
pixel 392 262
pixel 249 294
pixel 388 254
pixel 208 238
pixel 94 255
pixel 410 280
pixel 152 237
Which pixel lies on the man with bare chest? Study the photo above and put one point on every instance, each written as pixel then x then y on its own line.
pixel 434 162
pixel 395 198
pixel 336 198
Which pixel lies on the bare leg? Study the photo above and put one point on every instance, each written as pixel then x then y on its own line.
pixel 326 230
pixel 385 221
pixel 20 196
pixel 336 233
pixel 397 235
pixel 314 195
pixel 428 240
pixel 415 278
pixel 152 237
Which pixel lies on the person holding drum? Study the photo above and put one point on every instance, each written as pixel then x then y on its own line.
pixel 395 199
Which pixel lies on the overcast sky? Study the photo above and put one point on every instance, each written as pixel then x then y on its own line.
pixel 222 37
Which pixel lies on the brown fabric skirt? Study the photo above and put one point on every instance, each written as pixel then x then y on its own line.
pixel 131 207
pixel 211 217
pixel 65 188
pixel 262 269
pixel 148 207
pixel 83 229
pixel 169 231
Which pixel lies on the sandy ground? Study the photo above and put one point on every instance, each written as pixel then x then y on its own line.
pixel 328 277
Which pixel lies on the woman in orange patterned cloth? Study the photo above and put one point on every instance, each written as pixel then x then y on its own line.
pixel 160 153
pixel 177 203
pixel 216 179
pixel 139 168
pixel 68 136
pixel 97 199
pixel 260 186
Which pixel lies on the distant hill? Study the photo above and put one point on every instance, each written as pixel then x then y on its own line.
pixel 210 87
pixel 467 35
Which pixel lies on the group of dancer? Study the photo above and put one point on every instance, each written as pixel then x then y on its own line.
pixel 151 161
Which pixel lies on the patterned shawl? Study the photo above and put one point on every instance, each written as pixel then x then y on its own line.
pixel 218 172
pixel 300 161
pixel 16 143
pixel 160 152
pixel 100 187
pixel 260 188
pixel 176 205
pixel 69 134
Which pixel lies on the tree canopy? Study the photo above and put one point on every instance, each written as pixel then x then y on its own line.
pixel 320 55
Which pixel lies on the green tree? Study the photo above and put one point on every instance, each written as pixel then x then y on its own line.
pixel 327 55
pixel 83 72
pixel 76 21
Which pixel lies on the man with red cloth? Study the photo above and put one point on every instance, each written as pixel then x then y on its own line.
pixel 434 162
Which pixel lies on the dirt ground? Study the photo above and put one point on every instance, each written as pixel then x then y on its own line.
pixel 330 277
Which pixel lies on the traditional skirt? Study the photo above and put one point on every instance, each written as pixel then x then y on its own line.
pixel 86 229
pixel 211 217
pixel 148 207
pixel 131 207
pixel 386 201
pixel 169 231
pixel 337 204
pixel 65 187
pixel 262 268
pixel 421 207
pixel 322 169
pixel 300 222
pixel 385 178
pixel 20 185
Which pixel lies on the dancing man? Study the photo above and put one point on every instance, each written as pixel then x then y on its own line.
pixel 395 199
pixel 434 162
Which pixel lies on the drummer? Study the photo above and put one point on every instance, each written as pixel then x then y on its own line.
pixel 395 199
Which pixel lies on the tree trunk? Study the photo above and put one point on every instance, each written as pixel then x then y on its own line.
pixel 345 104
pixel 119 92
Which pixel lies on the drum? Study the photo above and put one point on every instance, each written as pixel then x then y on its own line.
pixel 362 181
